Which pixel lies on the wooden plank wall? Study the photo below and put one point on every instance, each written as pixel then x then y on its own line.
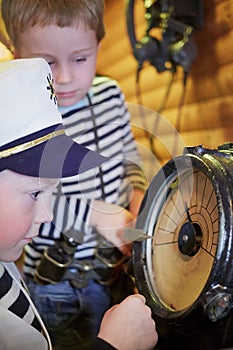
pixel 207 114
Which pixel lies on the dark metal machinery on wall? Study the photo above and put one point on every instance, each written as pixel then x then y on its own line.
pixel 185 266
pixel 177 20
pixel 170 46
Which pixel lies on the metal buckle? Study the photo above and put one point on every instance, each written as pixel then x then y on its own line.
pixel 109 262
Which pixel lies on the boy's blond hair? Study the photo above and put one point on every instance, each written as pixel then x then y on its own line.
pixel 19 15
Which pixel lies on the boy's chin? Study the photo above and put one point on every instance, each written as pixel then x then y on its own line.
pixel 12 256
pixel 66 102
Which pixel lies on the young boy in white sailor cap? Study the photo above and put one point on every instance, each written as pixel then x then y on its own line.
pixel 34 153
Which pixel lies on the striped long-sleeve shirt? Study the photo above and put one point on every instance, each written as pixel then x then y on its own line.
pixel 13 298
pixel 27 330
pixel 100 122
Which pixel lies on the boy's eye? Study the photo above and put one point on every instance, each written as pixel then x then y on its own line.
pixel 80 60
pixel 50 62
pixel 35 194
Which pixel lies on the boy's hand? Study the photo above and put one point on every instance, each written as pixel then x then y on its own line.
pixel 129 326
pixel 136 201
pixel 110 220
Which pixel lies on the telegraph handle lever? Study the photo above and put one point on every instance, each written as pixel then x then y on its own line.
pixel 135 235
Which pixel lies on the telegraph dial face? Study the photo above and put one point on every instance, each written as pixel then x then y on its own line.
pixel 184 225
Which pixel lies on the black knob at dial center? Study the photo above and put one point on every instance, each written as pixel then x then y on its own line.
pixel 190 238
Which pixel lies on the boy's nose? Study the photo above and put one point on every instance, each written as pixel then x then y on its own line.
pixel 44 214
pixel 63 74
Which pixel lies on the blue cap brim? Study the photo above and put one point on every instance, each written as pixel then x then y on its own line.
pixel 58 157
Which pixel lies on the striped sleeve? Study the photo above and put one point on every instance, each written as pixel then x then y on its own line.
pixel 13 298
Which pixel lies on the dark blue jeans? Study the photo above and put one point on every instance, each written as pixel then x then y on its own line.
pixel 72 316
